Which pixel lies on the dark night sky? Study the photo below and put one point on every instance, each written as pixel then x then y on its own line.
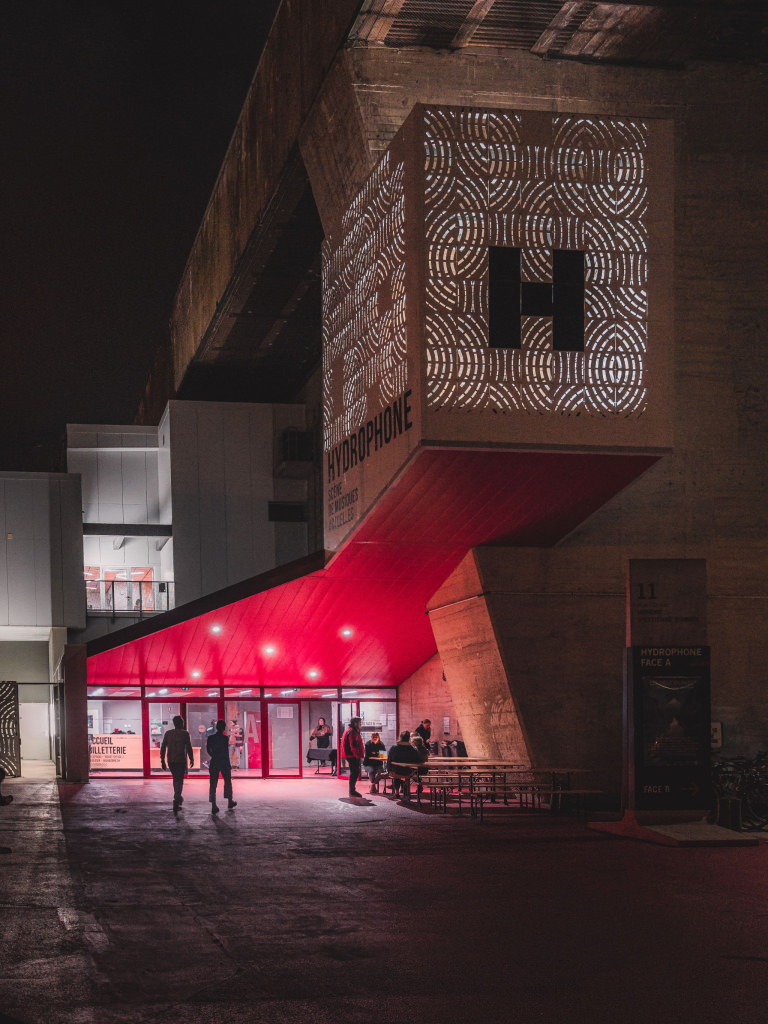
pixel 115 118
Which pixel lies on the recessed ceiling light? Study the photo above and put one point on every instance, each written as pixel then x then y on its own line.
pixel 215 629
pixel 196 674
pixel 347 632
pixel 269 649
pixel 313 673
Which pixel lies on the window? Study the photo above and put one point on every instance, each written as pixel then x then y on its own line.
pixel 287 512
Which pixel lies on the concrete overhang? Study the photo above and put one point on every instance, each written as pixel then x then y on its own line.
pixel 442 503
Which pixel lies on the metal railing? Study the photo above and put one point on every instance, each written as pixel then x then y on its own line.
pixel 128 597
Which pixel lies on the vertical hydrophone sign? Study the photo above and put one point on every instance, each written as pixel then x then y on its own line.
pixel 671 728
pixel 361 465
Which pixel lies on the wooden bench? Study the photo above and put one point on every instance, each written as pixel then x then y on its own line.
pixel 531 795
pixel 404 774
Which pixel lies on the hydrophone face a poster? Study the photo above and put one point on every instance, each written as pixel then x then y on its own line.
pixel 671 727
pixel 675 721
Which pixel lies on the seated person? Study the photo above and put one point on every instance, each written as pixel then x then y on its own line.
pixel 401 753
pixel 423 753
pixel 374 768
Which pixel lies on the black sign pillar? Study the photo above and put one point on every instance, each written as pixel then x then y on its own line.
pixel 668 729
pixel 667 691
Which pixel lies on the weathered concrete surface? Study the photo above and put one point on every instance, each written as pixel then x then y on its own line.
pixel 285 911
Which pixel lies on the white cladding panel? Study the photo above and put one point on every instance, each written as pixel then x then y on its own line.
pixel 222 480
pixel 41 579
pixel 118 486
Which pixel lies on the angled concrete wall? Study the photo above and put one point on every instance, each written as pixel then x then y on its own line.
pixel 532 643
pixel 475 673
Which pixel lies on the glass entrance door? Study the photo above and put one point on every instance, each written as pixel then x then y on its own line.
pixel 201 723
pixel 243 719
pixel 284 738
pixel 159 721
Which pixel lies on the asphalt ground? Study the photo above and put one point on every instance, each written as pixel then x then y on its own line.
pixel 301 906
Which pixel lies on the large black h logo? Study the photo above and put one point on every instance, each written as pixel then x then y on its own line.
pixel 510 298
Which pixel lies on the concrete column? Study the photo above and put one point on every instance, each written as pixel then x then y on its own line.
pixel 531 640
pixel 74 666
pixel 475 673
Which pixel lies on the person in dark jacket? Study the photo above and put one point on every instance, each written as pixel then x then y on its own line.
pixel 424 730
pixel 176 748
pixel 372 763
pixel 353 748
pixel 218 752
pixel 322 733
pixel 401 753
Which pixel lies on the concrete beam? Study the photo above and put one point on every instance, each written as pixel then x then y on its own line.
pixel 302 44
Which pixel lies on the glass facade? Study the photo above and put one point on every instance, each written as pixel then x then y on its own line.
pixel 278 731
pixel 115 736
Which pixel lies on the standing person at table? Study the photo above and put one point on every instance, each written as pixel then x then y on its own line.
pixel 322 733
pixel 372 763
pixel 353 748
pixel 424 730
pixel 176 748
pixel 218 752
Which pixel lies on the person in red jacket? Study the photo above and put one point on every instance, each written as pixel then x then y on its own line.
pixel 353 748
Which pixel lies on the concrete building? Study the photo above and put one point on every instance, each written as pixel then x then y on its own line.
pixel 207 498
pixel 526 247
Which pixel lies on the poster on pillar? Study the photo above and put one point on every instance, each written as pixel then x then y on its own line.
pixel 670 728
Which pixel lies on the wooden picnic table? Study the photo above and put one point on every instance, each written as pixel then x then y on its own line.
pixel 481 780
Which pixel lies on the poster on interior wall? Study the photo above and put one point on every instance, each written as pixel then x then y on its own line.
pixel 115 752
pixel 284 712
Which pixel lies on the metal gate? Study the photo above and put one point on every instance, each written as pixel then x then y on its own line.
pixel 10 747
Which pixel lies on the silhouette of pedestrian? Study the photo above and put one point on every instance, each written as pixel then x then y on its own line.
pixel 218 751
pixel 177 746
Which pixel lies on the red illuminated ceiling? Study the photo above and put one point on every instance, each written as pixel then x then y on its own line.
pixel 376 587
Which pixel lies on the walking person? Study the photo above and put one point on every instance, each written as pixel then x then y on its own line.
pixel 353 748
pixel 176 748
pixel 218 752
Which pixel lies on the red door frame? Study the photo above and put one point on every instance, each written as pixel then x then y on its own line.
pixel 248 700
pixel 267 746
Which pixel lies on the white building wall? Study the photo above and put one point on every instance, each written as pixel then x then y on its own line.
pixel 119 470
pixel 222 480
pixel 41 572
